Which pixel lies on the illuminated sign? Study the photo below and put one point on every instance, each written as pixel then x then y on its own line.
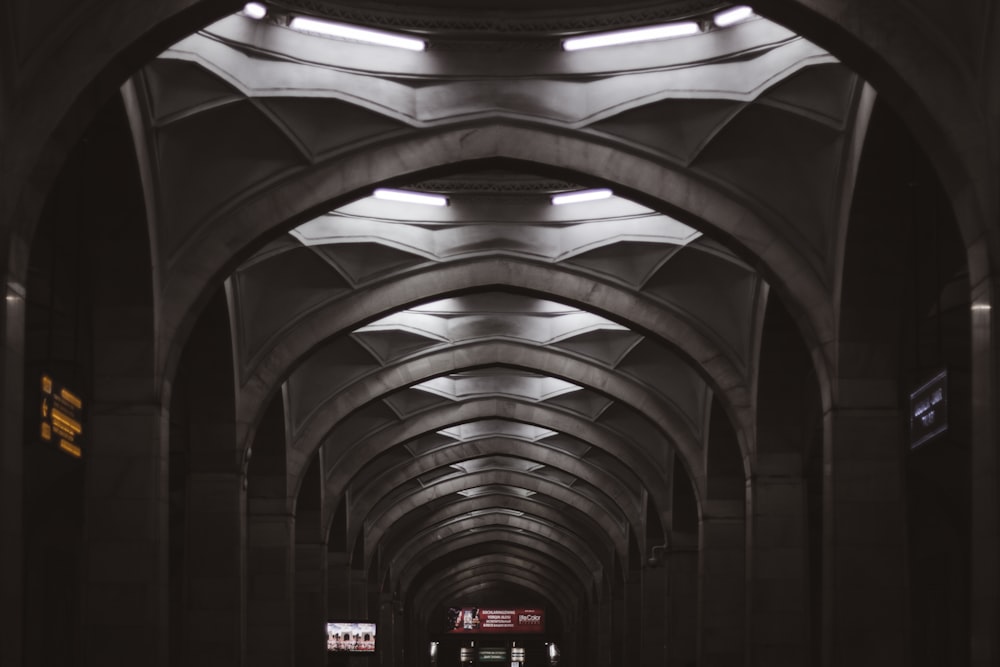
pixel 473 620
pixel 350 637
pixel 929 410
pixel 61 417
pixel 492 655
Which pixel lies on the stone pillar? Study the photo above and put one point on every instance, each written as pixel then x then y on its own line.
pixel 654 615
pixel 214 567
pixel 310 604
pixel 777 568
pixel 682 606
pixel 985 476
pixel 602 631
pixel 125 576
pixel 11 472
pixel 865 603
pixel 270 587
pixel 338 590
pixel 358 593
pixel 619 619
pixel 721 583
pixel 389 638
pixel 635 618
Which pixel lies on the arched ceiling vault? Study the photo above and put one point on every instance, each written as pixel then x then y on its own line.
pixel 452 582
pixel 516 484
pixel 586 568
pixel 486 454
pixel 559 542
pixel 501 500
pixel 498 382
pixel 466 567
pixel 288 185
pixel 597 384
pixel 449 425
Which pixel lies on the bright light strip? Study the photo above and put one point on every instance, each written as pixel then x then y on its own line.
pixel 731 16
pixel 254 10
pixel 345 31
pixel 581 196
pixel 631 36
pixel 410 197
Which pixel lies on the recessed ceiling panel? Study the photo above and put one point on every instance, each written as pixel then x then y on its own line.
pixel 324 125
pixel 361 262
pixel 678 128
pixel 719 293
pixel 178 88
pixel 605 346
pixel 328 370
pixel 212 159
pixel 275 291
pixel 629 262
pixel 824 93
pixel 389 345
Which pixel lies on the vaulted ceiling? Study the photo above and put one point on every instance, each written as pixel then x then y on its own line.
pixel 499 386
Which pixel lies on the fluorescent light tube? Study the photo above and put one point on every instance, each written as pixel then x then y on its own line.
pixel 346 31
pixel 581 196
pixel 410 197
pixel 254 10
pixel 630 36
pixel 731 16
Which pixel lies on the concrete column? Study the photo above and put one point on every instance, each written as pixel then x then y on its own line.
pixel 270 588
pixel 654 616
pixel 358 594
pixel 338 590
pixel 777 597
pixel 682 606
pixel 721 583
pixel 11 472
pixel 865 601
pixel 619 619
pixel 124 596
pixel 390 631
pixel 310 604
pixel 635 618
pixel 214 568
pixel 985 476
pixel 603 634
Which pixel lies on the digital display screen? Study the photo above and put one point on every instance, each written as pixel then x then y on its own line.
pixel 509 620
pixel 350 637
pixel 929 410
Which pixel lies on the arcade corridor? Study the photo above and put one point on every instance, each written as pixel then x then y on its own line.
pixel 492 345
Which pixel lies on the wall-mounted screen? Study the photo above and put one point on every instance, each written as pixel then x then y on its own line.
pixel 929 410
pixel 350 637
pixel 475 620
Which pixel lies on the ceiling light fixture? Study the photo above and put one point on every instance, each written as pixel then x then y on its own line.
pixel 254 10
pixel 581 196
pixel 345 31
pixel 631 36
pixel 410 197
pixel 731 16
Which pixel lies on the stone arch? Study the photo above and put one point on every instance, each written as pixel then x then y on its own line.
pixel 344 468
pixel 517 355
pixel 366 499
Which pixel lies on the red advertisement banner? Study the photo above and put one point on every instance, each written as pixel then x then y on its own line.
pixel 473 620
